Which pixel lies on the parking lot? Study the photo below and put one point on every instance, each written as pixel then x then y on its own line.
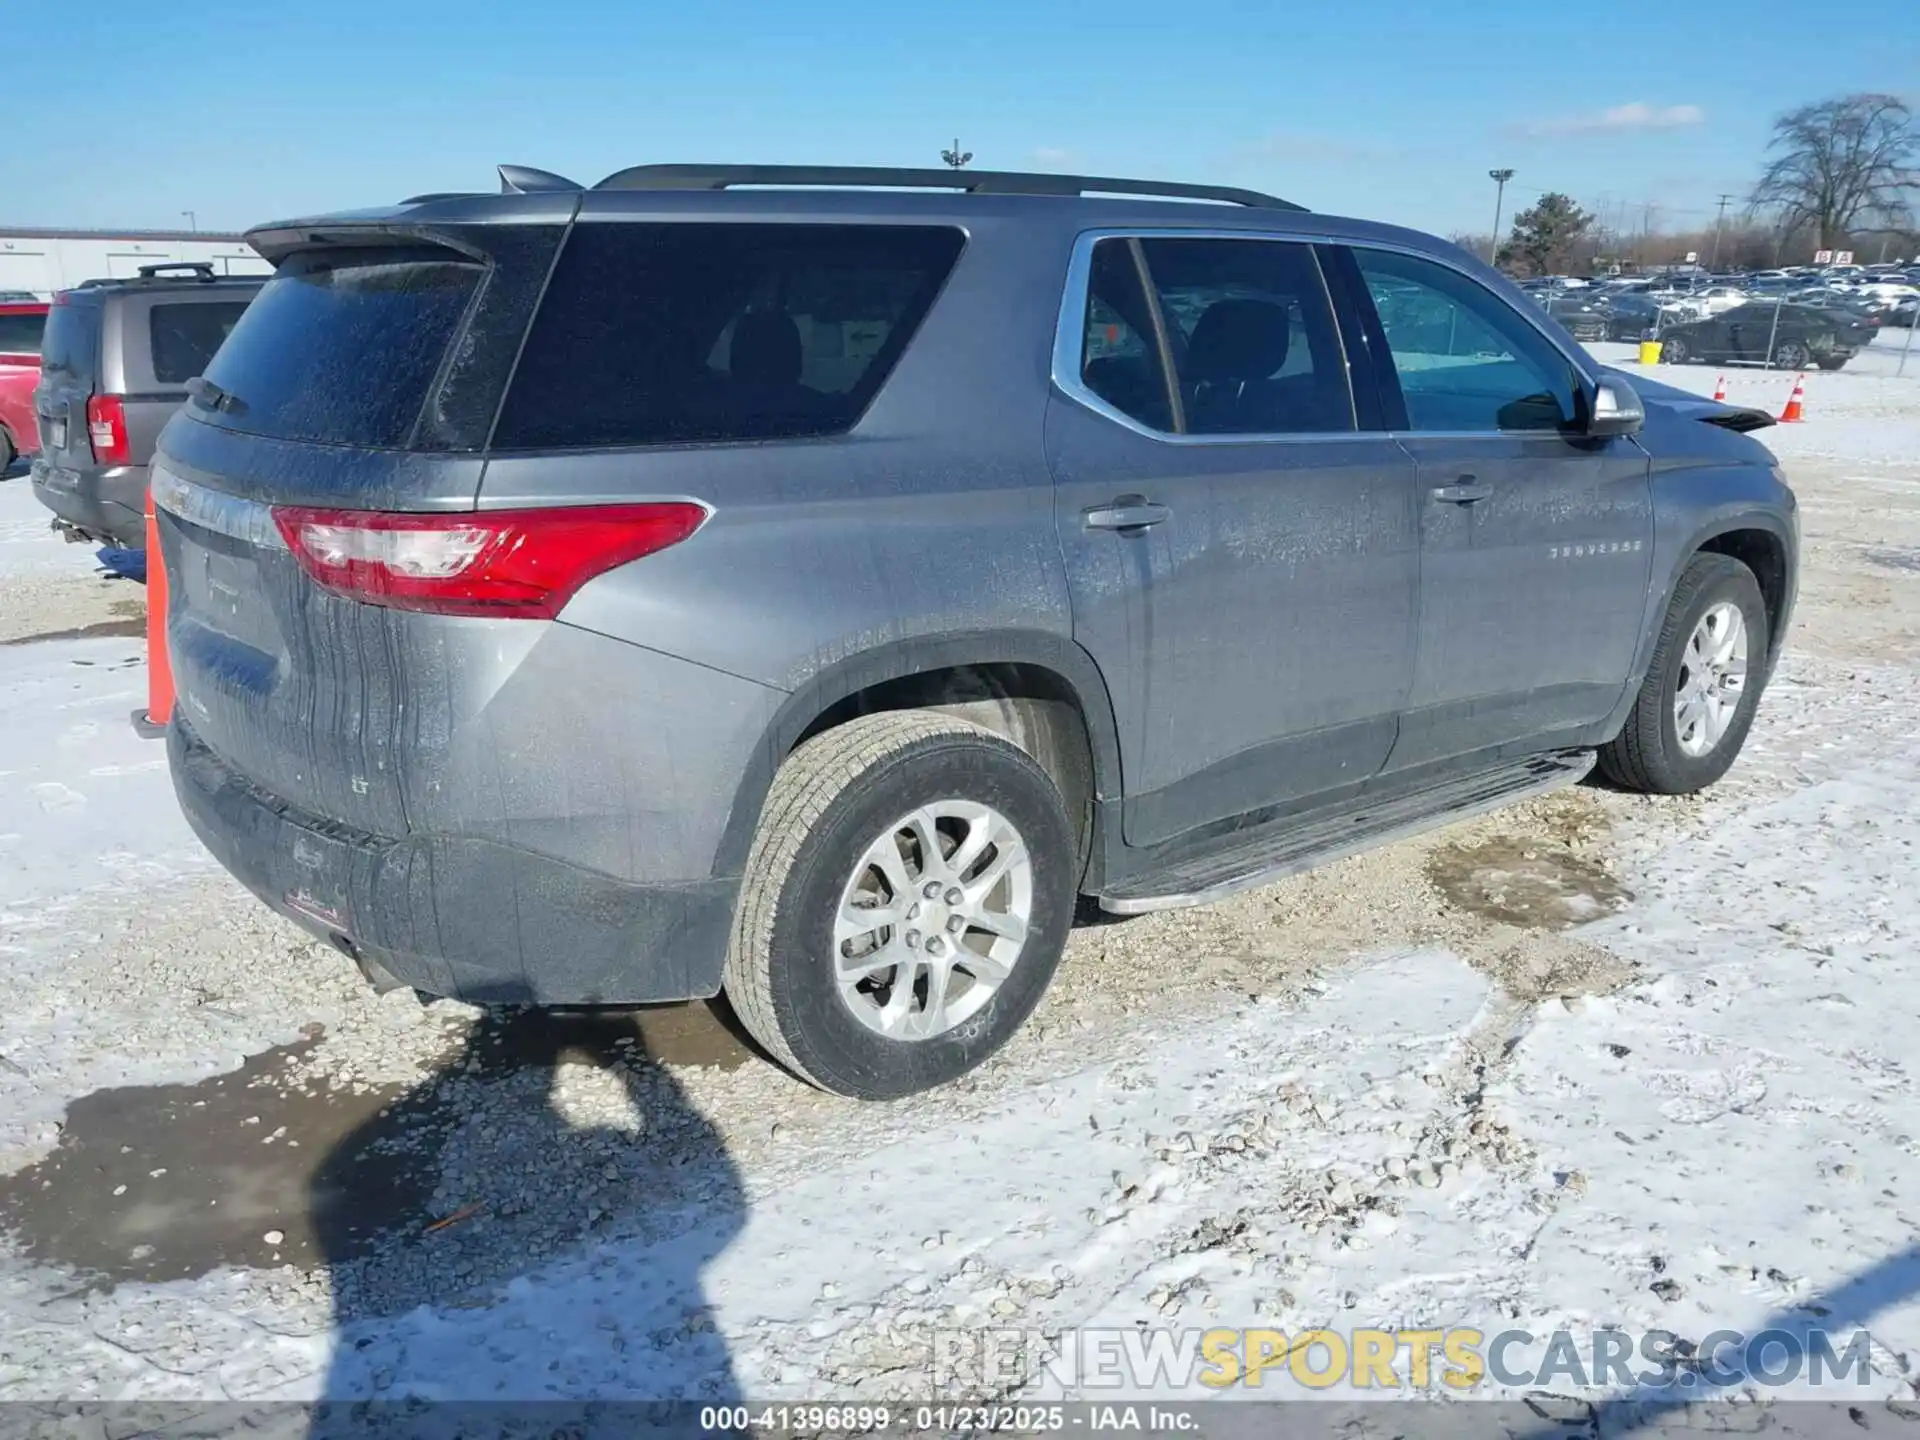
pixel 1599 1055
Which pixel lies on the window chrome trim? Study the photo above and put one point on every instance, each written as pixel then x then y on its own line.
pixel 230 515
pixel 1069 336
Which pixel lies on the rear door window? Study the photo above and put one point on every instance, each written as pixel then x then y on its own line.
pixel 185 335
pixel 674 333
pixel 1253 337
pixel 20 333
pixel 343 345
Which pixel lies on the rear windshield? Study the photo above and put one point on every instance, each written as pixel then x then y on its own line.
pixel 186 333
pixel 71 345
pixel 20 333
pixel 342 345
pixel 661 333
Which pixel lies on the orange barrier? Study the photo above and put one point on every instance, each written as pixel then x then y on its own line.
pixel 153 720
pixel 1796 403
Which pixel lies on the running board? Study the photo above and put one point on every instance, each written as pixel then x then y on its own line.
pixel 1287 848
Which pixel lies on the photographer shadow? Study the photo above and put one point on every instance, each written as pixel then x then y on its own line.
pixel 527 1227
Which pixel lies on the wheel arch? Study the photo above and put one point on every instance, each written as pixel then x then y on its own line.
pixel 1763 550
pixel 1000 679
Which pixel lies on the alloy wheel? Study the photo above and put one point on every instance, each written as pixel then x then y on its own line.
pixel 933 919
pixel 1712 680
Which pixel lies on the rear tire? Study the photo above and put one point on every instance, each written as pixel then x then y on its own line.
pixel 1652 753
pixel 7 453
pixel 1833 362
pixel 860 791
pixel 1792 356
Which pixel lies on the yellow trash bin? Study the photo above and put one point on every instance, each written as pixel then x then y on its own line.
pixel 1649 352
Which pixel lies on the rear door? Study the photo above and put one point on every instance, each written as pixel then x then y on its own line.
pixel 1241 553
pixel 1535 541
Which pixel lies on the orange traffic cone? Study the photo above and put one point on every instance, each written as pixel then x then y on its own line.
pixel 1795 411
pixel 1720 388
pixel 151 720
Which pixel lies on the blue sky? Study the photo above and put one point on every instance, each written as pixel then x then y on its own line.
pixel 1391 110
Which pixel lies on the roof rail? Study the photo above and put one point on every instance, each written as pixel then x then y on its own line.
pixel 974 182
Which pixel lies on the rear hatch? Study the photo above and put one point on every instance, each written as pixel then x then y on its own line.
pixel 363 377
pixel 69 369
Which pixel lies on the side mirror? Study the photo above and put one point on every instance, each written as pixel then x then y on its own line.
pixel 1613 409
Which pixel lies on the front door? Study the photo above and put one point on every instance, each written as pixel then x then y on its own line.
pixel 1536 542
pixel 1242 561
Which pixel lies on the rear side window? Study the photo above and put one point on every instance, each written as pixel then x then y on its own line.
pixel 71 345
pixel 20 334
pixel 668 333
pixel 342 345
pixel 185 335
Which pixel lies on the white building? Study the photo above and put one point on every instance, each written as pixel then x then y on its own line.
pixel 43 261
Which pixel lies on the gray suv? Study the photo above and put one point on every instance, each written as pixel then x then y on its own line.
pixel 114 366
pixel 686 584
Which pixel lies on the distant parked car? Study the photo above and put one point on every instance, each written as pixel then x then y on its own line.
pixel 1635 316
pixel 21 325
pixel 1581 317
pixel 1800 335
pixel 119 354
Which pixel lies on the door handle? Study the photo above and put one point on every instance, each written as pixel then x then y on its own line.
pixel 1129 514
pixel 1463 492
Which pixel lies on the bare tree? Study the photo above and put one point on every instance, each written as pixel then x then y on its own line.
pixel 1839 162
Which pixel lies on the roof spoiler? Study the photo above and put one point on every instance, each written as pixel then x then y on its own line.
pixel 525 180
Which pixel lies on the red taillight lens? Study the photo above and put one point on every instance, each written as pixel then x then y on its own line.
pixel 107 430
pixel 508 563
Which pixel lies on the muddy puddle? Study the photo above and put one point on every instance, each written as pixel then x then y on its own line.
pixel 271 1165
pixel 1530 882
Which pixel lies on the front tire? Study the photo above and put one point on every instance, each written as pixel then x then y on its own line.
pixel 7 453
pixel 1676 351
pixel 907 897
pixel 1697 701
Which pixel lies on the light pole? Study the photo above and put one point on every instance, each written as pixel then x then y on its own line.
pixel 1499 178
pixel 193 221
pixel 956 157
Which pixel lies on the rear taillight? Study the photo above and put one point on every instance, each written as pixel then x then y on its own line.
pixel 107 430
pixel 510 563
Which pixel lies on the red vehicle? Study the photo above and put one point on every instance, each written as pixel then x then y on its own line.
pixel 21 325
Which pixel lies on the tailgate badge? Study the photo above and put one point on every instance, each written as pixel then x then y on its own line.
pixel 306 856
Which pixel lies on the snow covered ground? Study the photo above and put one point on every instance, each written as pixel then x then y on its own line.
pixel 1403 1093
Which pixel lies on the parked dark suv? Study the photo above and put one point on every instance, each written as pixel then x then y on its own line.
pixel 629 593
pixel 115 365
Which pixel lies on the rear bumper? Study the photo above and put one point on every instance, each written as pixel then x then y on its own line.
pixel 107 504
pixel 467 918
